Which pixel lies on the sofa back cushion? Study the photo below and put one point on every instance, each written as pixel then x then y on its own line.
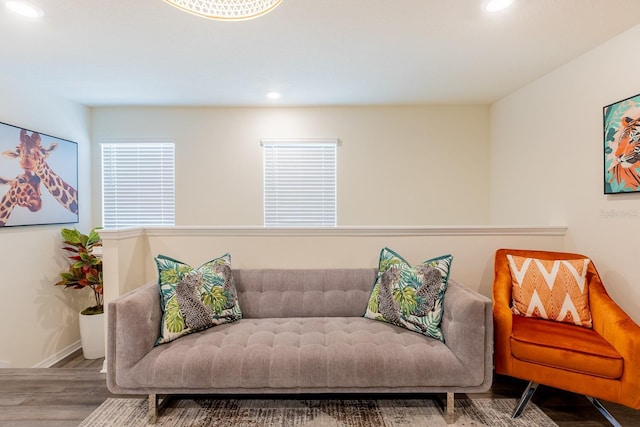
pixel 264 293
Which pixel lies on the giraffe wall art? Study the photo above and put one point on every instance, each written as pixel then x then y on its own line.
pixel 38 178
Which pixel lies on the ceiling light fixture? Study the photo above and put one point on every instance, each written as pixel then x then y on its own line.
pixel 273 95
pixel 497 5
pixel 226 10
pixel 24 9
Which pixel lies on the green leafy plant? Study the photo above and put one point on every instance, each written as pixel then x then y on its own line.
pixel 85 269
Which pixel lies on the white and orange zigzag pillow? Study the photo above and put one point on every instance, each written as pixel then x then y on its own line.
pixel 550 289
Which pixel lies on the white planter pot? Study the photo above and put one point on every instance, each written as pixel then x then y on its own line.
pixel 92 335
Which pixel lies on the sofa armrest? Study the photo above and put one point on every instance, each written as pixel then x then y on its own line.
pixel 467 325
pixel 619 330
pixel 133 328
pixel 502 315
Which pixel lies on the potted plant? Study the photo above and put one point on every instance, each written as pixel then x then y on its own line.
pixel 85 271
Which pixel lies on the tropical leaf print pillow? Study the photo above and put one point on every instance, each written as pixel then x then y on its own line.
pixel 193 299
pixel 407 296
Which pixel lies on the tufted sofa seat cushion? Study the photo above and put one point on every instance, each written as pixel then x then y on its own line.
pixel 307 353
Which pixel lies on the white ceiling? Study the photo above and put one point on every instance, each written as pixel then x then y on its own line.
pixel 316 52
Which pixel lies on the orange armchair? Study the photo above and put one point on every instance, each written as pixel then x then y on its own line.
pixel 602 362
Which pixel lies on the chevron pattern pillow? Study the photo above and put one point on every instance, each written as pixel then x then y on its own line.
pixel 550 289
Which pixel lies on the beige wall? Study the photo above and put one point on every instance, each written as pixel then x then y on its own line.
pixel 39 320
pixel 547 160
pixel 396 165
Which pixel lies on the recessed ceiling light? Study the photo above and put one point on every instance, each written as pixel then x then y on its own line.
pixel 273 95
pixel 24 9
pixel 497 5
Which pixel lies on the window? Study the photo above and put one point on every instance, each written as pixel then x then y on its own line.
pixel 299 183
pixel 138 184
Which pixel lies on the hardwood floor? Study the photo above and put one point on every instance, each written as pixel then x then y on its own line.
pixel 67 393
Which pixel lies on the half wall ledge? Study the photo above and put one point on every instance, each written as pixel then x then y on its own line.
pixel 476 230
pixel 128 253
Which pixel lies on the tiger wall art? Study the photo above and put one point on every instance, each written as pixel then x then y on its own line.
pixel 622 146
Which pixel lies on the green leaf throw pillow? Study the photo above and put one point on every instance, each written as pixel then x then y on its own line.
pixel 411 297
pixel 193 299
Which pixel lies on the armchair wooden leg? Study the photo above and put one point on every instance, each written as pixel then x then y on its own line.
pixel 603 411
pixel 526 396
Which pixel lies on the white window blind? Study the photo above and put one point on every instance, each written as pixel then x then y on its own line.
pixel 299 183
pixel 138 184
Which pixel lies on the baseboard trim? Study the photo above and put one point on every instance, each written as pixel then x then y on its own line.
pixel 57 357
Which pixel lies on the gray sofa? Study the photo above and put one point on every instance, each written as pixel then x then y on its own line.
pixel 302 332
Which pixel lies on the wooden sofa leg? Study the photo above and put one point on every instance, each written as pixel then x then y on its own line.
pixel 156 406
pixel 153 408
pixel 449 411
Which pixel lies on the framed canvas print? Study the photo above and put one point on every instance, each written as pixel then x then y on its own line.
pixel 38 178
pixel 622 146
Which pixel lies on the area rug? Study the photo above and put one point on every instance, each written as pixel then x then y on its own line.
pixel 203 411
